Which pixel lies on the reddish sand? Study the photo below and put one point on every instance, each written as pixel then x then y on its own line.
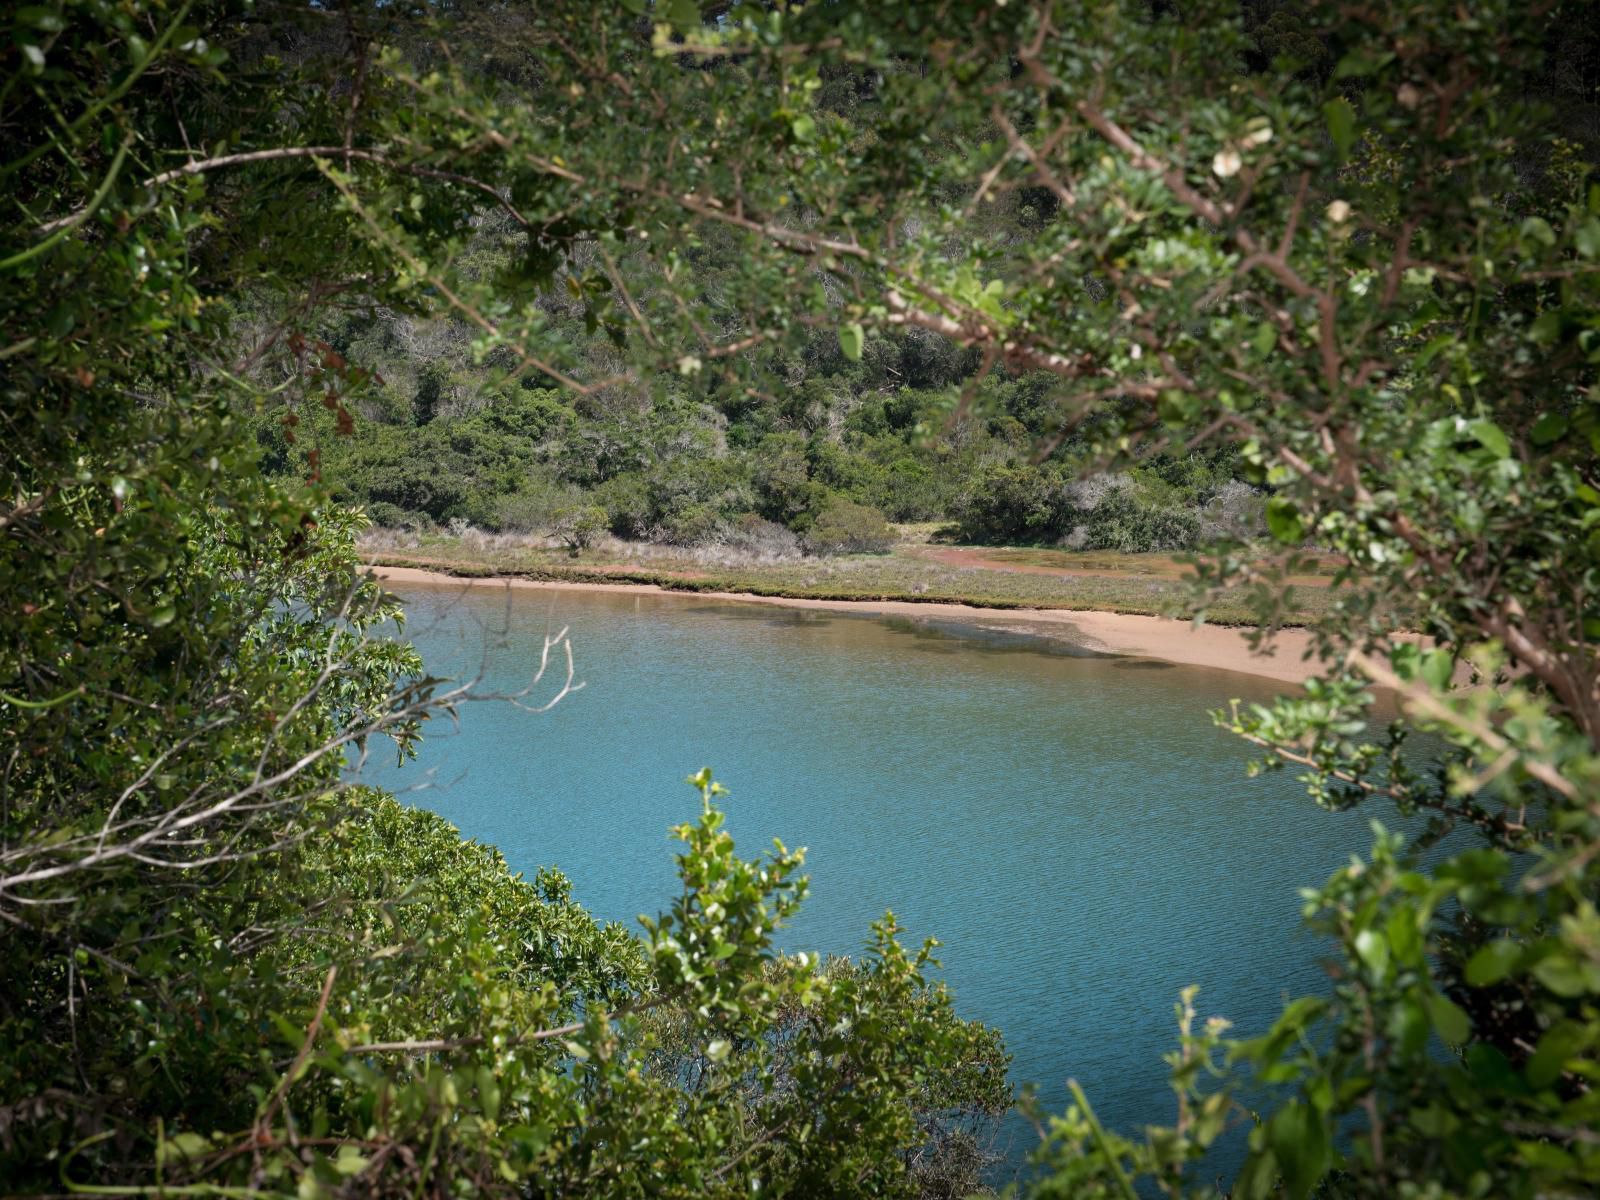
pixel 1108 633
pixel 973 557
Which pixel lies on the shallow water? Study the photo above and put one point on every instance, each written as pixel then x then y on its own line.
pixel 1073 829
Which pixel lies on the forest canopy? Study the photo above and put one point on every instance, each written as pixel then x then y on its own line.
pixel 1047 270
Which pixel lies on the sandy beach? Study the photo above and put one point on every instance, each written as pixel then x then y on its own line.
pixel 1212 646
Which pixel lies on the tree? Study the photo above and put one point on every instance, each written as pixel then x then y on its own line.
pixel 227 969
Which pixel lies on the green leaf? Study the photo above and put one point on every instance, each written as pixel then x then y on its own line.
pixel 1283 521
pixel 1373 950
pixel 1550 427
pixel 1566 976
pixel 1266 337
pixel 36 16
pixel 682 14
pixel 1299 1141
pixel 1437 669
pixel 1359 62
pixel 1448 1019
pixel 1259 1178
pixel 1405 939
pixel 1560 1043
pixel 1341 124
pixel 1491 438
pixel 182 1146
pixel 1427 354
pixel 851 339
pixel 1587 238
pixel 803 127
pixel 1546 328
pixel 1538 229
pixel 1493 962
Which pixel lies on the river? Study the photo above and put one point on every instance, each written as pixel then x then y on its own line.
pixel 1073 829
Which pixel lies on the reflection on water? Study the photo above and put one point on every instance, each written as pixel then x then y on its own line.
pixel 1070 825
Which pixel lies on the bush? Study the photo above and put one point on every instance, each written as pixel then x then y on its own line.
pixel 534 508
pixel 690 525
pixel 1237 512
pixel 845 527
pixel 1129 515
pixel 385 515
pixel 627 505
pixel 1011 504
pixel 579 525
pixel 755 535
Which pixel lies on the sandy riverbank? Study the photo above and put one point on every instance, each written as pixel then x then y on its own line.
pixel 1107 633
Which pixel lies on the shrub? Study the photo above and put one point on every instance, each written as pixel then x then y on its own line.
pixel 627 505
pixel 756 535
pixel 386 515
pixel 1011 504
pixel 690 524
pixel 1236 512
pixel 534 508
pixel 845 527
pixel 579 526
pixel 1129 515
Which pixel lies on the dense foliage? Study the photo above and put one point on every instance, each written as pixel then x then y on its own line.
pixel 225 969
pixel 1120 260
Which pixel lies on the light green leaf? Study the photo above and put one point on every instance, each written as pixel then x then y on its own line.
pixel 1299 1141
pixel 1491 438
pixel 1538 229
pixel 1373 950
pixel 1493 962
pixel 1448 1019
pixel 1546 328
pixel 1438 667
pixel 851 339
pixel 1587 238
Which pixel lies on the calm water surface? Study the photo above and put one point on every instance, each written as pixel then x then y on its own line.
pixel 1072 829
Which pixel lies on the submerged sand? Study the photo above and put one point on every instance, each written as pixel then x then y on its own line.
pixel 1285 659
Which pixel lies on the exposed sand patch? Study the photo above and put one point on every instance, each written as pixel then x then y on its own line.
pixel 1212 646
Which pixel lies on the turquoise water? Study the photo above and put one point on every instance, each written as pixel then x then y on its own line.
pixel 1072 829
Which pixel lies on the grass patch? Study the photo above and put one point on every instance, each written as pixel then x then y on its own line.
pixel 1150 587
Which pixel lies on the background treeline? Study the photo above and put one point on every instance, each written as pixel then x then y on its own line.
pixel 813 446
pixel 440 445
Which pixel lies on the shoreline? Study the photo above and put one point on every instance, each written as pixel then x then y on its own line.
pixel 1115 634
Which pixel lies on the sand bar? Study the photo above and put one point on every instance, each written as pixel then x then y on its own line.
pixel 1214 646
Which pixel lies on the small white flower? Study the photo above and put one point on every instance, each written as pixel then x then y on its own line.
pixel 1137 351
pixel 1226 162
pixel 1339 212
pixel 689 364
pixel 1259 136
